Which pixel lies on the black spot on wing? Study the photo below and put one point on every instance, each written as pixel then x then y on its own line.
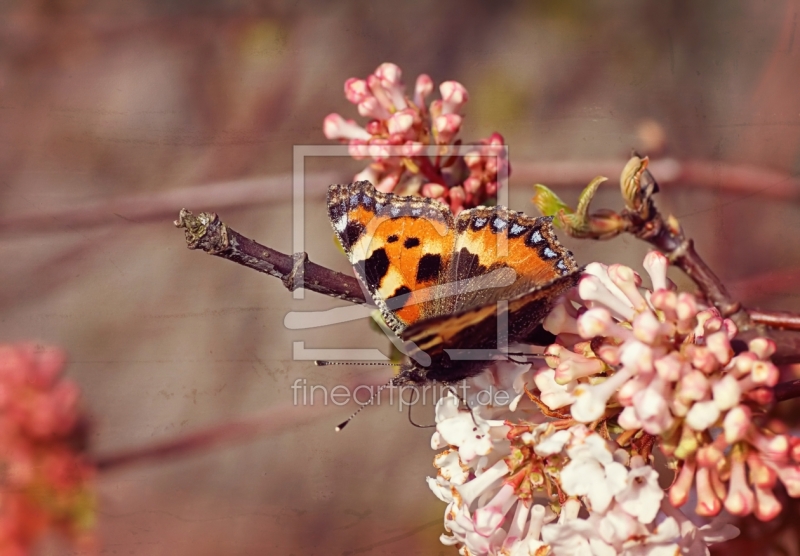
pixel 468 265
pixel 396 304
pixel 411 242
pixel 392 239
pixel 351 233
pixel 429 267
pixel 375 268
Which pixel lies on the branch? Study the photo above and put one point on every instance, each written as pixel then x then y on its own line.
pixel 162 205
pixel 271 422
pixel 776 319
pixel 274 421
pixel 235 194
pixel 205 231
pixel 208 233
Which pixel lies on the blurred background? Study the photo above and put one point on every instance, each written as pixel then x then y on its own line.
pixel 114 115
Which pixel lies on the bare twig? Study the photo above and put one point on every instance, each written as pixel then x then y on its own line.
pixel 205 231
pixel 776 319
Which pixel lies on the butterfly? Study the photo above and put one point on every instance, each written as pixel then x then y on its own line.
pixel 455 289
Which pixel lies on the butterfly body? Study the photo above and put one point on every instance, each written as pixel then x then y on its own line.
pixel 454 288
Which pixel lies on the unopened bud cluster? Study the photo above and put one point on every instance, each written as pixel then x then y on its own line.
pixel 47 482
pixel 400 129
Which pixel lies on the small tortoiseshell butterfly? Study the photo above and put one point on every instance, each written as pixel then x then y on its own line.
pixel 437 278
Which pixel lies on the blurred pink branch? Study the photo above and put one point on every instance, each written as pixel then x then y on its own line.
pixel 161 205
pixel 271 422
pixel 704 174
pixel 767 283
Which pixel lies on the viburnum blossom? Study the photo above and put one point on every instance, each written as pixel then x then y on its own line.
pixel 47 482
pixel 399 130
pixel 632 371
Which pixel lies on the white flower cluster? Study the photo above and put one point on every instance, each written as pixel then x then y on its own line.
pixel 632 371
pixel 541 489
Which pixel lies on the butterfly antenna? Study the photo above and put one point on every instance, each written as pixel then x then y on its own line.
pixel 377 393
pixel 410 420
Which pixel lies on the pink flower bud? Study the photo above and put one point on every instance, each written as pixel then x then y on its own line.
pixel 713 324
pixel 702 358
pixel 773 448
pixel 671 367
pixel 591 288
pixel 384 97
pixel 454 97
pixel 379 149
pixel 573 369
pixel 762 347
pixel 760 475
pixel 702 415
pixel 433 190
pixel 356 90
pixel 656 264
pixel 401 122
pixel 726 392
pixel 391 80
pixel 637 357
pixel 446 127
pixel 628 419
pixel 336 127
pixel 679 492
pixel 646 327
pixel 730 328
pixel 767 506
pixel 559 320
pixel 687 312
pixel 412 148
pixel 630 389
pixel 472 186
pixel 742 364
pixel 765 373
pixel 596 322
pixel 610 354
pixel 473 160
pixel 667 302
pixel 388 183
pixel 719 344
pixel 627 281
pixel 358 149
pixel 371 108
pixel 740 500
pixel 708 504
pixel 693 386
pixel 457 198
pixel 709 456
pixel 422 88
